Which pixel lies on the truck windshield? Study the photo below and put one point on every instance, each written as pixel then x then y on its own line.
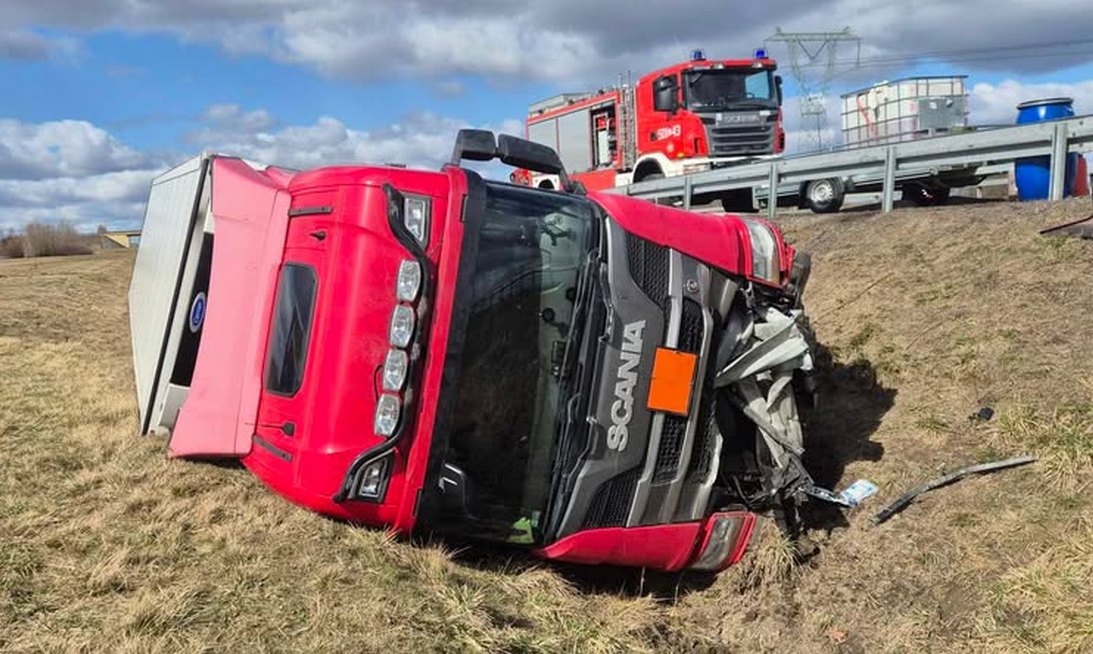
pixel 532 246
pixel 728 88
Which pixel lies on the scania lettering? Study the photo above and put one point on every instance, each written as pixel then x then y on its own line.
pixel 622 409
pixel 593 378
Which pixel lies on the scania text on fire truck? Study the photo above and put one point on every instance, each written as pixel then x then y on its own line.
pixel 592 377
pixel 677 120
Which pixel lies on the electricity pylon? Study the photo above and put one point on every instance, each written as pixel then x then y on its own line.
pixel 813 59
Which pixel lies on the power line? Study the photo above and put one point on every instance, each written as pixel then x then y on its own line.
pixel 912 57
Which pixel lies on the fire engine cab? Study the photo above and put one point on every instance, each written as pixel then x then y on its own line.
pixel 677 120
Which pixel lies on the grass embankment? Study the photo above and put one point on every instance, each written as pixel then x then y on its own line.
pixel 927 314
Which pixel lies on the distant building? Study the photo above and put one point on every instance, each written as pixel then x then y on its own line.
pixel 119 239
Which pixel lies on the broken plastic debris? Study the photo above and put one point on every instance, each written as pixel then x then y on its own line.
pixel 856 493
pixel 983 415
pixel 849 498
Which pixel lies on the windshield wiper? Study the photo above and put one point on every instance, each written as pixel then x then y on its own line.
pixel 580 316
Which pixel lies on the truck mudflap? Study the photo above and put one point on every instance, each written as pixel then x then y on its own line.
pixel 758 380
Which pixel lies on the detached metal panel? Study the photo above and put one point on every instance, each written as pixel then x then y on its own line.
pixel 169 221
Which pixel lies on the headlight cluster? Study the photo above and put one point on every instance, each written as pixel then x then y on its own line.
pixel 409 218
pixel 765 263
pixel 373 479
pixel 415 216
pixel 396 366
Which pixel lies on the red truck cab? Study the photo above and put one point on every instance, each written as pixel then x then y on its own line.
pixel 432 351
pixel 715 111
pixel 677 120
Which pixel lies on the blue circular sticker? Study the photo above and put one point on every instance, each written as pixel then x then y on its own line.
pixel 197 312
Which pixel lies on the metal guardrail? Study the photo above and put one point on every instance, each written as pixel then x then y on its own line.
pixel 887 164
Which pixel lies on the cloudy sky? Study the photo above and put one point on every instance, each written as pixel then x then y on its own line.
pixel 99 95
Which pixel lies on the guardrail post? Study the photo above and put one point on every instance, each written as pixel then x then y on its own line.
pixel 1058 162
pixel 687 192
pixel 772 191
pixel 889 190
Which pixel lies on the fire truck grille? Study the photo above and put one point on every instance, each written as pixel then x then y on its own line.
pixel 673 435
pixel 740 139
pixel 649 268
pixel 611 504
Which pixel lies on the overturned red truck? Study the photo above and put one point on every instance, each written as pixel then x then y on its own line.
pixel 592 377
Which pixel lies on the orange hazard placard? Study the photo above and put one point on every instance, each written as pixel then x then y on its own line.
pixel 673 378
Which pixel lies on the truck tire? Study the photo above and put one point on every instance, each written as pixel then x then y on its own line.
pixel 824 195
pixel 926 195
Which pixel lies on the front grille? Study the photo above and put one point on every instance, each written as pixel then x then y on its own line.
pixel 705 439
pixel 733 140
pixel 690 328
pixel 649 268
pixel 610 505
pixel 671 446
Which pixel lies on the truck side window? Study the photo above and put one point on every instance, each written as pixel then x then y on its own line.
pixel 291 329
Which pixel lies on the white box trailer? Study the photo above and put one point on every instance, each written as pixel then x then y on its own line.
pixel 164 288
pixel 904 110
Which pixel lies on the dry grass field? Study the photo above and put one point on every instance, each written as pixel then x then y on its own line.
pixel 926 315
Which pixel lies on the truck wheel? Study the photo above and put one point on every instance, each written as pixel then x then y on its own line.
pixel 926 195
pixel 824 195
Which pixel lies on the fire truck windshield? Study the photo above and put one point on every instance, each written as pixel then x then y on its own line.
pixel 532 246
pixel 728 88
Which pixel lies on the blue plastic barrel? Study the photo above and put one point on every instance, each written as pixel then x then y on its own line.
pixel 1033 174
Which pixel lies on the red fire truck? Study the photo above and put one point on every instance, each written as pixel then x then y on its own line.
pixel 594 378
pixel 677 120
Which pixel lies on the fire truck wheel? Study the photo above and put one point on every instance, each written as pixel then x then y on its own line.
pixel 824 195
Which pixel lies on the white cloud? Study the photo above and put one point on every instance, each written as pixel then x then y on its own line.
pixel 996 104
pixel 69 170
pixel 421 140
pixel 574 42
pixel 228 117
pixel 61 148
pixel 76 171
pixel 25 44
